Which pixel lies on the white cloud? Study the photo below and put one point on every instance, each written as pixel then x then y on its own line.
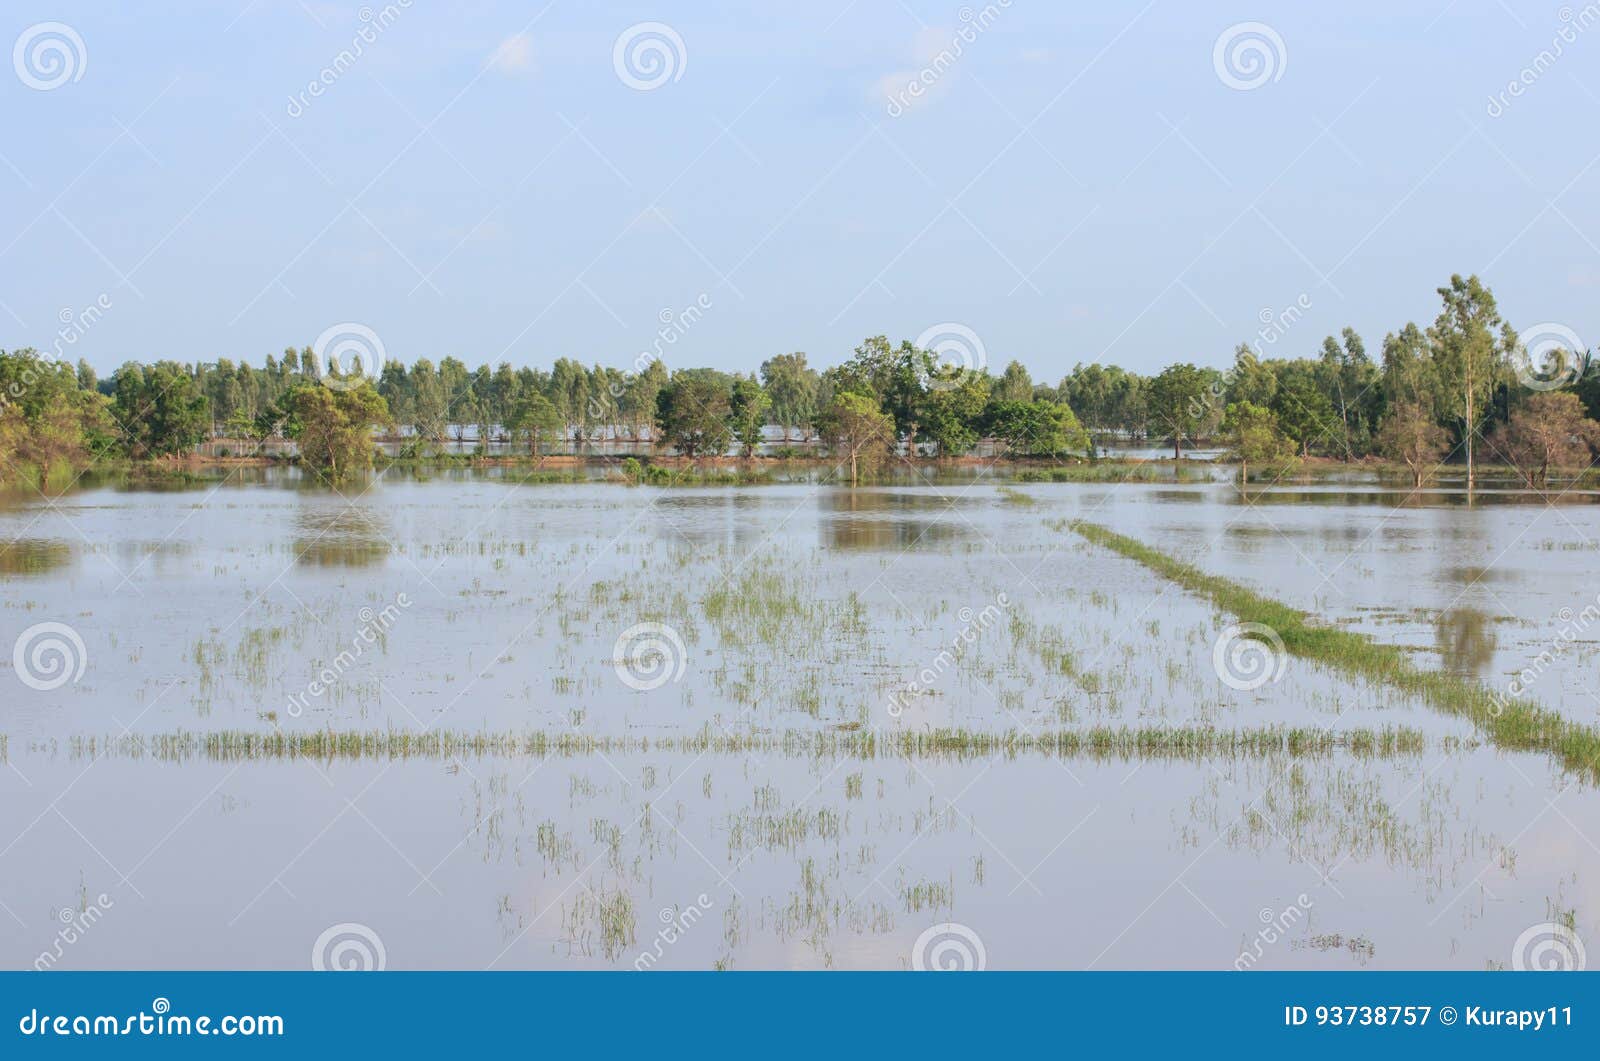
pixel 514 55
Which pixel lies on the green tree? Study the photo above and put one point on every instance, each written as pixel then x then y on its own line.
pixel 1469 345
pixel 1304 412
pixel 333 428
pixel 1177 404
pixel 1253 437
pixel 534 421
pixel 952 415
pixel 1036 428
pixel 793 389
pixel 858 431
pixel 693 414
pixel 160 409
pixel 748 413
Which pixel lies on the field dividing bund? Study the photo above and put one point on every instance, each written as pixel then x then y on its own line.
pixel 1513 724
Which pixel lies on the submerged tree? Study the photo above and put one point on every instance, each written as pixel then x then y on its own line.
pixel 333 427
pixel 1253 437
pixel 533 420
pixel 856 430
pixel 1411 435
pixel 1177 403
pixel 1469 345
pixel 1547 431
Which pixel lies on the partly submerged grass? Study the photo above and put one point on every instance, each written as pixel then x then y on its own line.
pixel 1519 725
pixel 1164 742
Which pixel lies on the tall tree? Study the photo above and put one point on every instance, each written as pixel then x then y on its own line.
pixel 1469 345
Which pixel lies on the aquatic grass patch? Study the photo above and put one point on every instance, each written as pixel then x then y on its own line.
pixel 1101 742
pixel 1516 725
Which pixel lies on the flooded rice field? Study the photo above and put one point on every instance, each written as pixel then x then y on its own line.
pixel 462 722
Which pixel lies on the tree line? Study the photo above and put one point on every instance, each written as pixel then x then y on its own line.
pixel 1450 388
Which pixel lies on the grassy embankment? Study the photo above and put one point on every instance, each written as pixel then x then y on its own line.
pixel 1514 724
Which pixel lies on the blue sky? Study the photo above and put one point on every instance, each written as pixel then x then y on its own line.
pixel 1080 183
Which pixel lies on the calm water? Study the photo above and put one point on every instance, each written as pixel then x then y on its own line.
pixel 529 792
